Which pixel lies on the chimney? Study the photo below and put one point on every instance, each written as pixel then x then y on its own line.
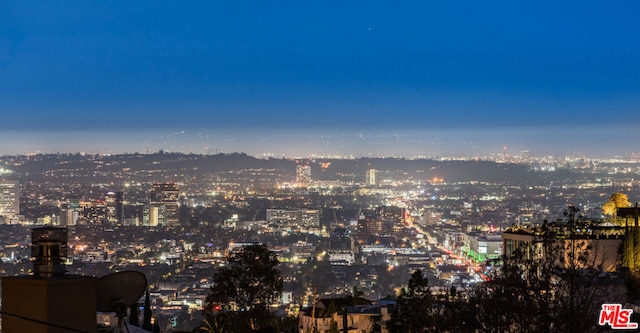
pixel 49 301
pixel 48 251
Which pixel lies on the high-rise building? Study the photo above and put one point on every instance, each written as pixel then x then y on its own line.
pixel 280 217
pixel 9 198
pixel 167 195
pixel 297 218
pixel 70 212
pixel 308 218
pixel 115 211
pixel 92 212
pixel 370 177
pixel 393 216
pixel 303 175
pixel 68 216
pixel 119 207
pixel 340 240
pixel 110 200
pixel 153 215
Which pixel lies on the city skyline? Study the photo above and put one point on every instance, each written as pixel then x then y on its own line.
pixel 298 79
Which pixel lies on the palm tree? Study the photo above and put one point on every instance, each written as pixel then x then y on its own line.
pixel 214 324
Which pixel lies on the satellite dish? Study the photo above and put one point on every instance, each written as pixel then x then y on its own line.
pixel 118 289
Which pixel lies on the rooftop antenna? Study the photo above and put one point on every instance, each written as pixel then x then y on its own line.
pixel 117 292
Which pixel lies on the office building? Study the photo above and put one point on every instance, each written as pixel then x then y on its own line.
pixel 303 175
pixel 370 177
pixel 154 215
pixel 167 195
pixel 482 246
pixel 394 217
pixel 92 212
pixel 68 217
pixel 9 198
pixel 114 207
pixel 294 219
pixel 340 240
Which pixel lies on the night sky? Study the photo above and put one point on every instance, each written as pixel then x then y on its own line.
pixel 303 77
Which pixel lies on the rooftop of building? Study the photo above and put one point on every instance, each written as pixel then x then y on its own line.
pixel 564 228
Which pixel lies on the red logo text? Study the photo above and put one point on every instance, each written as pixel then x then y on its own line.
pixel 616 317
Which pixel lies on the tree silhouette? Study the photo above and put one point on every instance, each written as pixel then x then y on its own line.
pixel 146 314
pixel 249 279
pixel 219 323
pixel 413 307
pixel 134 315
pixel 551 284
pixel 247 285
pixel 554 274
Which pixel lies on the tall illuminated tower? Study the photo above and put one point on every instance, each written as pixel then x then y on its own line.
pixel 115 211
pixel 303 175
pixel 9 198
pixel 167 195
pixel 370 177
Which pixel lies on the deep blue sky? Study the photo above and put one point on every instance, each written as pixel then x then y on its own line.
pixel 317 66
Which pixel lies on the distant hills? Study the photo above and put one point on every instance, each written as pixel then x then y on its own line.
pixel 167 165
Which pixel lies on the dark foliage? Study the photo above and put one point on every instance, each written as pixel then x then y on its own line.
pixel 134 315
pixel 413 312
pixel 243 290
pixel 146 315
pixel 526 294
